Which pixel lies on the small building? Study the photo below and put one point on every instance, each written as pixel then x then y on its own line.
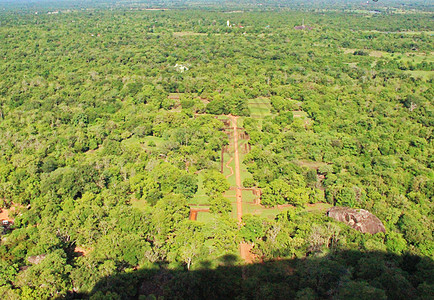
pixel 181 68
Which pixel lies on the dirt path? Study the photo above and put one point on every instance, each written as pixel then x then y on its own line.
pixel 237 171
pixel 229 167
pixel 193 215
pixel 246 255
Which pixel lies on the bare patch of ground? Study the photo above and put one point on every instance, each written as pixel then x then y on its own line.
pixel 246 254
pixel 6 214
pixel 80 251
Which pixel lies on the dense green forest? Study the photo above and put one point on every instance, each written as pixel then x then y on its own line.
pixel 116 123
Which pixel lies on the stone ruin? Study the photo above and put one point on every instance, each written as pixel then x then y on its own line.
pixel 359 219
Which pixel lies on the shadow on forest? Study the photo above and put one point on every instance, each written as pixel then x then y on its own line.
pixel 342 275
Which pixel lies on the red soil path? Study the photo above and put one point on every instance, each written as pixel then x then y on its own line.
pixel 246 255
pixel 193 215
pixel 237 171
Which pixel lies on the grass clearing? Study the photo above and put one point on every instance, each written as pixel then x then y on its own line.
pixel 243 146
pixel 254 209
pixel 299 114
pixel 205 217
pixel 200 198
pixel 139 204
pixel 250 208
pixel 425 75
pixel 318 207
pixel 259 107
pixel 259 112
pixel 188 33
pixel 415 57
pixel 158 141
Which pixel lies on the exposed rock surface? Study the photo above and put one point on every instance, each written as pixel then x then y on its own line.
pixel 36 259
pixel 359 219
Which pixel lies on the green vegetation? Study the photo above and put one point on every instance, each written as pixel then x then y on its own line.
pixel 112 123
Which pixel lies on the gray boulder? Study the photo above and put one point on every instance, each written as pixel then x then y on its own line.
pixel 359 219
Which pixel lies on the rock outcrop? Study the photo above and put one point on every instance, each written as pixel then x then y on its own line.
pixel 36 259
pixel 359 219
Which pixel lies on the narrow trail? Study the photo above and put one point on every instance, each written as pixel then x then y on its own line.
pixel 229 167
pixel 237 172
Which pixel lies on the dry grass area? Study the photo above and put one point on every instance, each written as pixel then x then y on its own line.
pixel 348 50
pixel 204 100
pixel 174 96
pixel 376 53
pixel 318 206
pixel 425 75
pixel 372 53
pixel 416 56
pixel 299 114
pixel 310 164
pixel 188 33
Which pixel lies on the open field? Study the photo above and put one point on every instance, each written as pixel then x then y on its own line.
pixel 205 217
pixel 157 140
pixel 426 75
pixel 188 33
pixel 416 57
pixel 259 107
